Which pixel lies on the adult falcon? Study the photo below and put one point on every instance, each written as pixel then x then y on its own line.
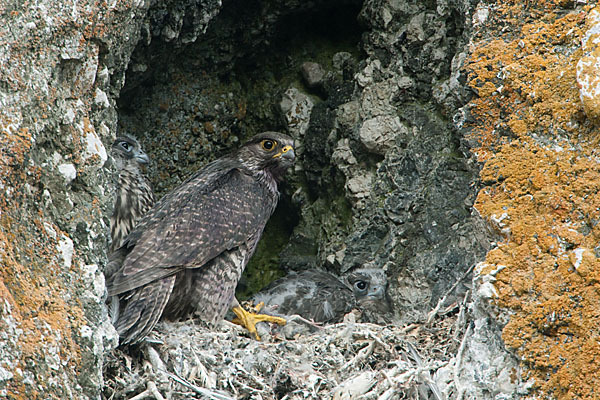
pixel 134 195
pixel 188 252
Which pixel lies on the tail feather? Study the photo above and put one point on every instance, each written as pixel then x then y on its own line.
pixel 143 309
pixel 115 261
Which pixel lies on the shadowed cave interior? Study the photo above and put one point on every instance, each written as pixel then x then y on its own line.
pixel 190 104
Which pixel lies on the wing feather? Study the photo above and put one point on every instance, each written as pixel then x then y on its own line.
pixel 216 210
pixel 312 294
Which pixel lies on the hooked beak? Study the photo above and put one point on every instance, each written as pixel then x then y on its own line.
pixel 376 297
pixel 376 292
pixel 287 152
pixel 142 158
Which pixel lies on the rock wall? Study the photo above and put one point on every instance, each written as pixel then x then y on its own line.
pixel 63 65
pixel 534 124
pixel 413 121
pixel 383 178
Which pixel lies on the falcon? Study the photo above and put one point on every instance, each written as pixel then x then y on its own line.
pixel 323 297
pixel 186 255
pixel 134 195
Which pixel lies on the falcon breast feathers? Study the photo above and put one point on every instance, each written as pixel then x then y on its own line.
pixel 133 195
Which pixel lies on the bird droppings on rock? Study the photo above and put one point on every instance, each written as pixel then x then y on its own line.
pixel 68 171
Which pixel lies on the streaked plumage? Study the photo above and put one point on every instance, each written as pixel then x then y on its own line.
pixel 188 252
pixel 134 196
pixel 322 297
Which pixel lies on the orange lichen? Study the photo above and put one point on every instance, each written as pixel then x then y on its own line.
pixel 544 178
pixel 38 289
pixel 35 294
pixel 31 281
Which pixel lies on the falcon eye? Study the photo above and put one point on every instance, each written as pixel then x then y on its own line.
pixel 268 144
pixel 126 146
pixel 361 285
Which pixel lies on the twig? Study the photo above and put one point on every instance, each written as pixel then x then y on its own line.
pixel 434 312
pixel 426 375
pixel 378 340
pixel 151 391
pixel 297 318
pixel 387 378
pixel 256 379
pixel 461 319
pixel 248 388
pixel 361 355
pixel 205 392
pixel 157 363
pixel 205 377
pixel 459 356
pixel 154 390
pixel 410 327
pixel 387 394
pixel 232 386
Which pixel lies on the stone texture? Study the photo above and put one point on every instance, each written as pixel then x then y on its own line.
pixel 441 135
pixel 379 134
pixel 588 77
pixel 313 74
pixel 62 65
pixel 483 368
pixel 296 107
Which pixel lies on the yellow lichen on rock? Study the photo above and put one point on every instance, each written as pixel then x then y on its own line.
pixel 542 176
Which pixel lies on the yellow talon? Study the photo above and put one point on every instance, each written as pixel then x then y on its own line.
pixel 249 319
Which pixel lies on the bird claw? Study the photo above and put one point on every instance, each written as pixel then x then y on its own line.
pixel 249 319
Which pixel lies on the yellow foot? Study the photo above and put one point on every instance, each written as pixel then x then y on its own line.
pixel 250 319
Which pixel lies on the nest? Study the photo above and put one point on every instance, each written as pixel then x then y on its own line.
pixel 345 361
pixel 349 360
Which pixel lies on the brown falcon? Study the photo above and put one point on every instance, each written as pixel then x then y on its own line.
pixel 187 253
pixel 134 194
pixel 323 297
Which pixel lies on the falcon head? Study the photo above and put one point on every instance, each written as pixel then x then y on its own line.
pixel 271 152
pixel 126 150
pixel 369 286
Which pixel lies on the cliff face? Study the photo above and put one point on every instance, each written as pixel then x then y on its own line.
pixel 431 137
pixel 56 119
pixel 62 66
pixel 534 122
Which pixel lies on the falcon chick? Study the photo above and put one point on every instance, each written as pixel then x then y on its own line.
pixel 188 252
pixel 322 297
pixel 134 196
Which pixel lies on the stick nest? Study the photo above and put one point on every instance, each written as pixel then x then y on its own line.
pixel 349 360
